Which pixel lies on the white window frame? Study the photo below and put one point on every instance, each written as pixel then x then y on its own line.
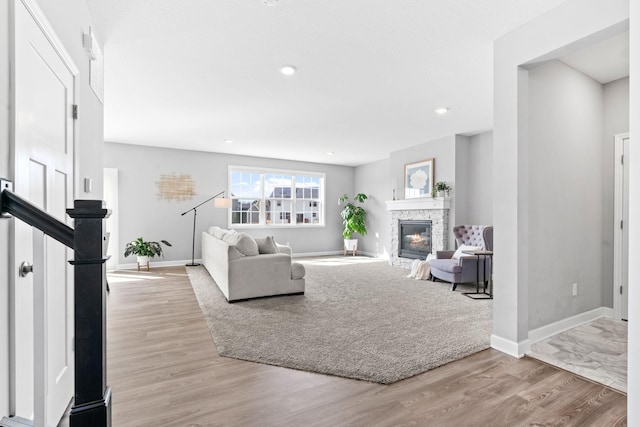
pixel 262 215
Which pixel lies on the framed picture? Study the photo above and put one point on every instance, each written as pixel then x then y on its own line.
pixel 418 179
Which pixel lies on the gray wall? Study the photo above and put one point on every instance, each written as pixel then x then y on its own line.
pixel 374 180
pixel 616 121
pixel 480 194
pixel 463 162
pixel 443 150
pixel 140 167
pixel 565 193
pixel 520 48
pixel 69 19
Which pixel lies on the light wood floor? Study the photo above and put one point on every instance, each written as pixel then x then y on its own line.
pixel 164 370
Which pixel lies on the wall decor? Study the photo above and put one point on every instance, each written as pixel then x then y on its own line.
pixel 176 187
pixel 418 179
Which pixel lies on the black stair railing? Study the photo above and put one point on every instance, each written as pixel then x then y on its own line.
pixel 92 396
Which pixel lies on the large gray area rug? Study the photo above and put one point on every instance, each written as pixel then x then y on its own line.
pixel 359 318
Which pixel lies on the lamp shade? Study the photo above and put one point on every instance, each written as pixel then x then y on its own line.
pixel 222 202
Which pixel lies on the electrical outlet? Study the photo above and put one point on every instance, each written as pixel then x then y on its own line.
pixel 575 289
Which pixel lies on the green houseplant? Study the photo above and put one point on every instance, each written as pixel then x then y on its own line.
pixel 354 218
pixel 144 250
pixel 441 188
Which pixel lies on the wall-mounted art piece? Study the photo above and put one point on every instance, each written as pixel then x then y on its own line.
pixel 176 187
pixel 418 179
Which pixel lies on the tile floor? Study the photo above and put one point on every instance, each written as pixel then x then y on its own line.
pixel 596 350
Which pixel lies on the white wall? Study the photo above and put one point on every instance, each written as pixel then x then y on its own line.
pixel 69 18
pixel 616 121
pixel 140 167
pixel 5 172
pixel 591 21
pixel 480 194
pixel 633 367
pixel 565 193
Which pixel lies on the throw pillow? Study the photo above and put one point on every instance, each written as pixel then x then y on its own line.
pixel 266 245
pixel 458 254
pixel 243 243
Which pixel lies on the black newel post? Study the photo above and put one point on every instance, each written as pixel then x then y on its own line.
pixel 92 400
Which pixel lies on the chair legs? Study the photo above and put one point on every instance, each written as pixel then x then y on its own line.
pixel 453 286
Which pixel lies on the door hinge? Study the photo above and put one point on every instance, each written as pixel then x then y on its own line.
pixel 622 159
pixel 621 225
pixel 620 289
pixel 75 112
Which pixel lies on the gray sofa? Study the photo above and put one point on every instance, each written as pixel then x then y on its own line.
pixel 244 267
pixel 465 269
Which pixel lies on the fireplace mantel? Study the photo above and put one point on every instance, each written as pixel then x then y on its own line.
pixel 419 203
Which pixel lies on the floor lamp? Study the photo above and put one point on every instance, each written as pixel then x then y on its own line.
pixel 223 202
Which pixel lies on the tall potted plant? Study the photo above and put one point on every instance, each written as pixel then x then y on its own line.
pixel 354 219
pixel 144 250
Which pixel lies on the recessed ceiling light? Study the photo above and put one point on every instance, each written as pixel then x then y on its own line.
pixel 288 70
pixel 228 141
pixel 330 153
pixel 442 110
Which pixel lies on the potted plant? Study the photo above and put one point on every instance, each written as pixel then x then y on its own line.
pixel 144 250
pixel 354 220
pixel 441 188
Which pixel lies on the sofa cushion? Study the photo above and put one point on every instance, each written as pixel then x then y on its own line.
pixel 243 243
pixel 447 265
pixel 297 270
pixel 266 245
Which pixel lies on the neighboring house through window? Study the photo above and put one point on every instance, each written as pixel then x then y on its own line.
pixel 270 197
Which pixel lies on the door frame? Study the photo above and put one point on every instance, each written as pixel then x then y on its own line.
pixel 41 21
pixel 618 233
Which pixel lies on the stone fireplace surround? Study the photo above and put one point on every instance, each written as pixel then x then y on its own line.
pixel 434 209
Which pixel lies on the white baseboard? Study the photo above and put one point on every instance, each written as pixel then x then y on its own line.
pixel 509 347
pixel 520 349
pixel 554 328
pixel 134 266
pixel 310 254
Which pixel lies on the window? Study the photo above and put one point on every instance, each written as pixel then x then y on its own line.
pixel 267 197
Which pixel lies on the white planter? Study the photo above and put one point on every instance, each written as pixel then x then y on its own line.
pixel 350 245
pixel 442 193
pixel 143 261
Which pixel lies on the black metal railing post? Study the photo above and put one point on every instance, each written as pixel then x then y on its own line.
pixel 92 396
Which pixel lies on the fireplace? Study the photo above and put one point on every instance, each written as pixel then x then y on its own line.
pixel 414 239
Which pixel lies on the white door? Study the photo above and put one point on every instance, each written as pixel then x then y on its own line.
pixel 43 164
pixel 621 227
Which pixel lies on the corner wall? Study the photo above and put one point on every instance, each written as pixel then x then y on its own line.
pixel 565 193
pixel 480 193
pixel 591 21
pixel 373 179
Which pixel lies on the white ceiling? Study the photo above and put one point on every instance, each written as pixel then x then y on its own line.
pixel 193 73
pixel 605 61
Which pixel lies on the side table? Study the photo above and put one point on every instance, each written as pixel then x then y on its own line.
pixel 481 255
